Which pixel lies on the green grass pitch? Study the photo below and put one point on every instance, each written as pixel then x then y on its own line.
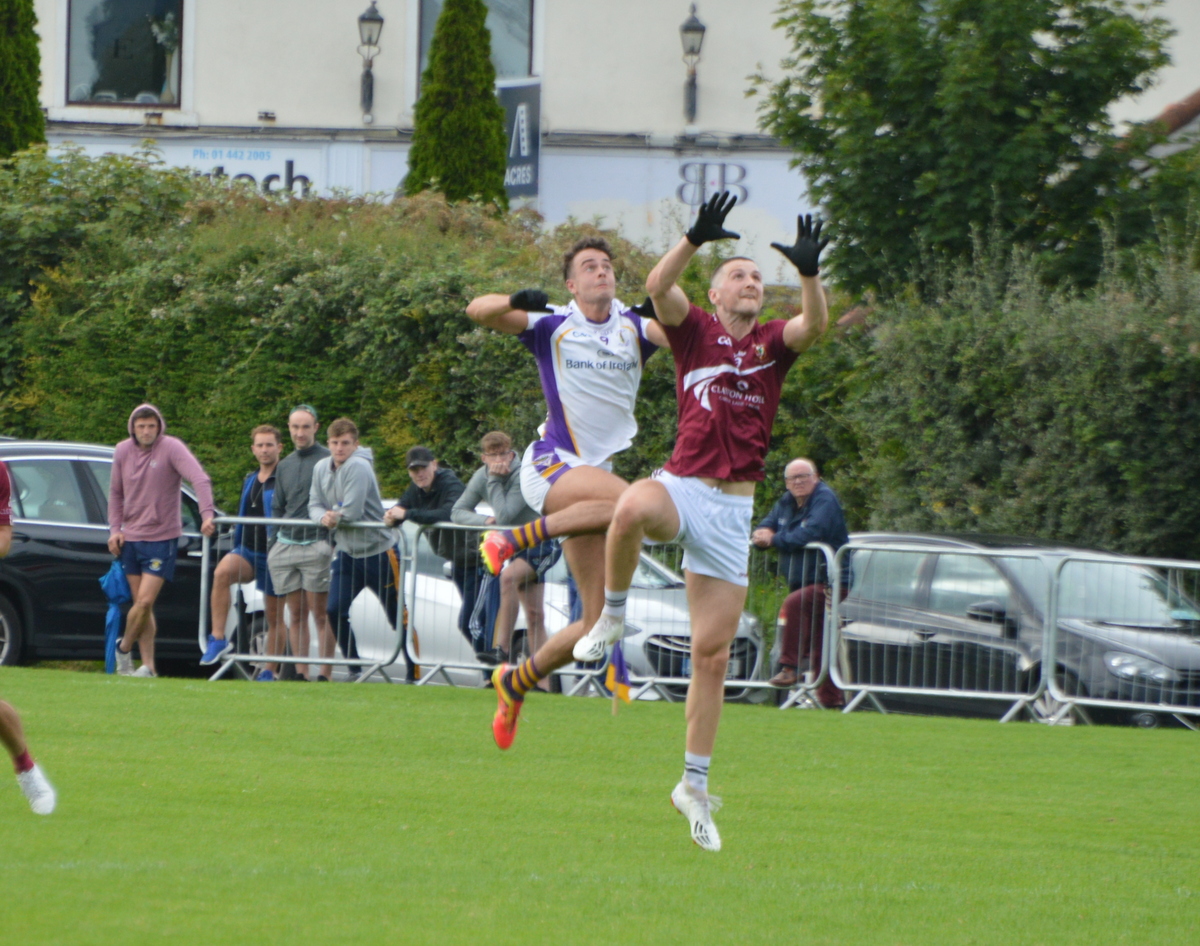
pixel 237 813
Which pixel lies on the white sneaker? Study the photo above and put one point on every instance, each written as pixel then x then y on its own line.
pixel 144 671
pixel 593 645
pixel 698 810
pixel 124 663
pixel 39 791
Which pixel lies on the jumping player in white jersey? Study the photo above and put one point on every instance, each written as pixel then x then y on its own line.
pixel 729 373
pixel 590 355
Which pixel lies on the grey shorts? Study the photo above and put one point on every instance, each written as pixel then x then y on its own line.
pixel 296 567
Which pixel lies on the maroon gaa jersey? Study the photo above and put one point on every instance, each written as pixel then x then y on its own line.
pixel 728 391
pixel 5 497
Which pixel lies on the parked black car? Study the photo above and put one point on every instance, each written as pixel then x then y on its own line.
pixel 933 619
pixel 51 604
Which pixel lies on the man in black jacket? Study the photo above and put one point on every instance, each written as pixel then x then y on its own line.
pixel 808 512
pixel 430 499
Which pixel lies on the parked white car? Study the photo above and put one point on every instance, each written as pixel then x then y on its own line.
pixel 657 644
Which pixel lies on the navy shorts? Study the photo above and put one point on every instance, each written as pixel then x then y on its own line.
pixel 150 558
pixel 262 574
pixel 541 557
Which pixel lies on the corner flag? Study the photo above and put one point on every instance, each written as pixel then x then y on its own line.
pixel 617 680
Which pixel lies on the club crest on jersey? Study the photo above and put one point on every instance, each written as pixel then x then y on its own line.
pixel 760 352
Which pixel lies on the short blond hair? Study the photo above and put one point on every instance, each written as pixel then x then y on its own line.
pixel 341 427
pixel 495 441
pixel 266 429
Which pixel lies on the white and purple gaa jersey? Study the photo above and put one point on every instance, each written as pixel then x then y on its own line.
pixel 590 373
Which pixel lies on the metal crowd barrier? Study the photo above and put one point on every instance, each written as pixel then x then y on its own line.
pixel 368 630
pixel 457 616
pixel 925 622
pixel 1127 630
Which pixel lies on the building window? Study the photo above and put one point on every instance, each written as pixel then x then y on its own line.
pixel 124 52
pixel 511 26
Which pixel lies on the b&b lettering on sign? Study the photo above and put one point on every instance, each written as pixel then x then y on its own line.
pixel 702 179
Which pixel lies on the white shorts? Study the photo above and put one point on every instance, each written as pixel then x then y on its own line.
pixel 541 466
pixel 714 528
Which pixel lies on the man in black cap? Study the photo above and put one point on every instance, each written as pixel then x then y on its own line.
pixel 430 499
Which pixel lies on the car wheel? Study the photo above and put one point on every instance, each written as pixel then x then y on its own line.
pixel 256 633
pixel 1046 708
pixel 11 634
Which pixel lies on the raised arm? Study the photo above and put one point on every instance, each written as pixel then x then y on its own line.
pixel 669 300
pixel 809 325
pixel 507 314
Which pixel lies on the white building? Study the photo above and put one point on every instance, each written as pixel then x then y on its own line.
pixel 270 90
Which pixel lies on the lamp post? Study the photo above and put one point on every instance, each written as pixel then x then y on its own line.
pixel 692 35
pixel 370 25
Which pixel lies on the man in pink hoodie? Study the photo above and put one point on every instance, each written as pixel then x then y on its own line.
pixel 145 522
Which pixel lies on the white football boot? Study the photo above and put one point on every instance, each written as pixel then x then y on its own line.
pixel 38 790
pixel 698 810
pixel 593 645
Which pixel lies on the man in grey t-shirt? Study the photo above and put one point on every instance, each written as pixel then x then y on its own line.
pixel 300 556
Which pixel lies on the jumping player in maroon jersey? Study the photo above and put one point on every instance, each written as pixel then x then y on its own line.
pixel 729 372
pixel 29 774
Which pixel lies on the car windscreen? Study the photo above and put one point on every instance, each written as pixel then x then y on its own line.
pixel 887 576
pixel 1032 575
pixel 1123 594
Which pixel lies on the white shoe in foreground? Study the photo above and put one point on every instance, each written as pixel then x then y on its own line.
pixel 39 791
pixel 143 671
pixel 593 645
pixel 124 663
pixel 698 810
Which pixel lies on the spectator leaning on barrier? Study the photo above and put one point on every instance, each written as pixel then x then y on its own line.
pixel 498 483
pixel 808 512
pixel 248 557
pixel 300 556
pixel 345 492
pixel 430 499
pixel 145 522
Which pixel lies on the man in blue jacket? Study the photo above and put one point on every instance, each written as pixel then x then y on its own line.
pixel 808 512
pixel 248 559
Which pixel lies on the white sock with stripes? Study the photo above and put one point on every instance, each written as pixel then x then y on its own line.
pixel 695 771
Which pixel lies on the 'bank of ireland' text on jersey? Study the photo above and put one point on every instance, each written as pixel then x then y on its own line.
pixel 590 374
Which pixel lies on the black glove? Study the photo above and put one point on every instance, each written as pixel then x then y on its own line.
pixel 646 309
pixel 805 254
pixel 530 300
pixel 710 219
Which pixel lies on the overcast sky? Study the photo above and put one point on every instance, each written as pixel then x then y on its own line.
pixel 1177 81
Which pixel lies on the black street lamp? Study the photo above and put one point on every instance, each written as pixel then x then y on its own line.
pixel 370 25
pixel 692 35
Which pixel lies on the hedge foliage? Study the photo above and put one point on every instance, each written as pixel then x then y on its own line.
pixel 127 281
pixel 988 402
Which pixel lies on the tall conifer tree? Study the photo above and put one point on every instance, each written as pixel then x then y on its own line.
pixel 21 119
pixel 458 130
